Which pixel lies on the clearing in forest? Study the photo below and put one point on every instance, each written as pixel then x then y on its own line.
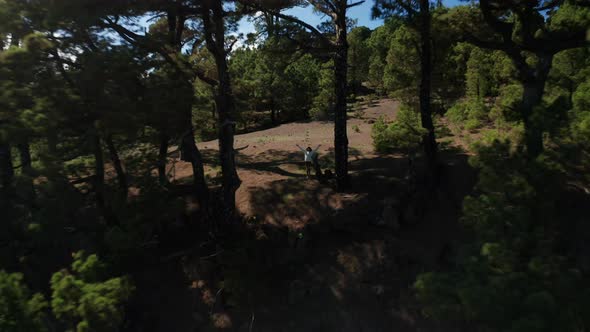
pixel 340 266
pixel 268 160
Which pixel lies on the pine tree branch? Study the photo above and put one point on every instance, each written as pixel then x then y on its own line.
pixel 291 19
pixel 168 54
pixel 355 4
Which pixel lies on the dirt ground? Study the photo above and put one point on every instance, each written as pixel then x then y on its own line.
pixel 320 260
pixel 267 158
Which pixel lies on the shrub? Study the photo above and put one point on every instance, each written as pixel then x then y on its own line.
pixel 441 129
pixel 516 273
pixel 19 309
pixel 469 114
pixel 457 113
pixel 509 102
pixel 319 113
pixel 472 124
pixel 405 133
pixel 581 114
pixel 85 300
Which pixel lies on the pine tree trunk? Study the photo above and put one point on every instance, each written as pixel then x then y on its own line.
pixel 533 83
pixel 6 170
pixel 214 26
pixel 429 139
pixel 163 157
pixel 340 135
pixel 25 157
pixel 533 135
pixel 99 180
pixel 24 152
pixel 191 153
pixel 98 171
pixel 188 148
pixel 121 176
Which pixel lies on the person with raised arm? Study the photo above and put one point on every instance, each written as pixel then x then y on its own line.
pixel 308 156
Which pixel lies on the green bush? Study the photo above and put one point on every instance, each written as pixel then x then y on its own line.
pixel 405 133
pixel 516 273
pixel 84 300
pixel 319 113
pixel 509 101
pixel 580 114
pixel 323 102
pixel 457 113
pixel 469 114
pixel 472 124
pixel 441 129
pixel 20 311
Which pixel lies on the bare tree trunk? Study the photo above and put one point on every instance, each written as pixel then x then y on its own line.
pixel 533 135
pixel 191 153
pixel 273 117
pixel 24 152
pixel 121 176
pixel 340 135
pixel 25 157
pixel 163 157
pixel 6 170
pixel 533 83
pixel 214 26
pixel 429 139
pixel 188 147
pixel 99 180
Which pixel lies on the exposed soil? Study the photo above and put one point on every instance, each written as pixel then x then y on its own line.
pixel 319 260
pixel 270 157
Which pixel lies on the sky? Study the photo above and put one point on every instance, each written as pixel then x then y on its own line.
pixel 361 13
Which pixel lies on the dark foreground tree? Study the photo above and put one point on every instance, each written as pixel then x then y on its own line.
pixel 418 15
pixel 213 17
pixel 531 33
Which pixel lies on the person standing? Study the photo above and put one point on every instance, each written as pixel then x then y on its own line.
pixel 308 156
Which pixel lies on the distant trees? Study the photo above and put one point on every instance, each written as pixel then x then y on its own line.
pixel 379 43
pixel 337 46
pixel 358 57
pixel 274 78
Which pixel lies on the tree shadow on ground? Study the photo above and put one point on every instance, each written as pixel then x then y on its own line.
pixel 351 275
pixel 312 260
pixel 271 161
